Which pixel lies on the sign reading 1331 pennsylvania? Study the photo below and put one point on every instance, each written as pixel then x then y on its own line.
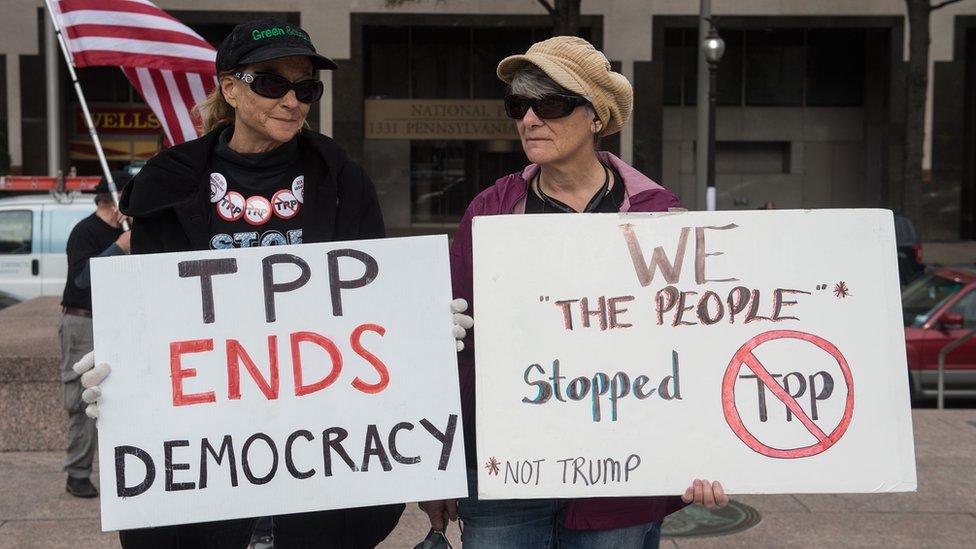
pixel 265 381
pixel 631 354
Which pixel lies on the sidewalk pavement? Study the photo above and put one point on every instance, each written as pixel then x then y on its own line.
pixel 35 511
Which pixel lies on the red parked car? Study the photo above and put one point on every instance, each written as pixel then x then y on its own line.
pixel 939 308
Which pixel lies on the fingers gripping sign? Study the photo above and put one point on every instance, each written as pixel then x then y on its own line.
pixel 711 495
pixel 91 379
pixel 462 322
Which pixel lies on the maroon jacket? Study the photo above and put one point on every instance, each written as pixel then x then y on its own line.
pixel 507 196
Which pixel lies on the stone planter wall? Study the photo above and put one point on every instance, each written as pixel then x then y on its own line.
pixel 32 415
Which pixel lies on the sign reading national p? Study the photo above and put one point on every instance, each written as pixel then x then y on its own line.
pixel 631 354
pixel 266 381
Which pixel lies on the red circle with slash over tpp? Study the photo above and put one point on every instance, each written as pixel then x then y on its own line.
pixel 285 204
pixel 745 356
pixel 231 206
pixel 258 210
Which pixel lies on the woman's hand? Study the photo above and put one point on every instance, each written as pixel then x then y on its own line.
pixel 709 494
pixel 440 511
pixel 91 379
pixel 462 322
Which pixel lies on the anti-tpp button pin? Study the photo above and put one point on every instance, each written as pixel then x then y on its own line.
pixel 231 207
pixel 285 204
pixel 298 188
pixel 257 211
pixel 218 187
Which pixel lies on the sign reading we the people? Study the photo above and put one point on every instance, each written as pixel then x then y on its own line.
pixel 275 380
pixel 631 354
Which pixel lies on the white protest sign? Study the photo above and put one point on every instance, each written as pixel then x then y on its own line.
pixel 276 380
pixel 630 354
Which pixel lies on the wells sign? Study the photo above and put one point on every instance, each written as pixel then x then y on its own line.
pixel 119 120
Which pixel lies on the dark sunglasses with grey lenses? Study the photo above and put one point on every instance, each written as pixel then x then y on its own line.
pixel 553 105
pixel 274 86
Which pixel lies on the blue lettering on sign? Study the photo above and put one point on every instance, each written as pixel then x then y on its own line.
pixel 600 389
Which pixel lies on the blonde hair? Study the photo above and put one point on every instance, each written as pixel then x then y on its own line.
pixel 214 110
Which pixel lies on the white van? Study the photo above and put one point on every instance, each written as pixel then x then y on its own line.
pixel 33 232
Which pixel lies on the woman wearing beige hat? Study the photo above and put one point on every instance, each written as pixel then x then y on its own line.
pixel 563 97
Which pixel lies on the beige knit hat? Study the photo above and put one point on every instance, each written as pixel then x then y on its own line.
pixel 576 65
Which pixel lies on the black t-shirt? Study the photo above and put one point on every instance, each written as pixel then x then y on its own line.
pixel 89 238
pixel 256 199
pixel 604 201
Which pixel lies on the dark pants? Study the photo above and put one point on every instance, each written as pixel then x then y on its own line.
pixel 360 528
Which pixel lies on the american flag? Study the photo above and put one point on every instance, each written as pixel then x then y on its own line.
pixel 170 66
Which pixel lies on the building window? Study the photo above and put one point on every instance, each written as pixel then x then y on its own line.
pixel 438 181
pixel 835 67
pixel 387 60
pixel 422 62
pixel 106 85
pixel 440 63
pixel 675 65
pixel 772 67
pixel 730 69
pixel 446 175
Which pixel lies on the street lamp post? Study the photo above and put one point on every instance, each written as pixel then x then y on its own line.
pixel 714 48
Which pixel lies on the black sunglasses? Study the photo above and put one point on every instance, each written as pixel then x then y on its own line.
pixel 554 105
pixel 273 86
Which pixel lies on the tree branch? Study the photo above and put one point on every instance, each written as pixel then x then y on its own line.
pixel 943 4
pixel 552 11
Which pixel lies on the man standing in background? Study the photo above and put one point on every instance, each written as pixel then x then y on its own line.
pixel 98 235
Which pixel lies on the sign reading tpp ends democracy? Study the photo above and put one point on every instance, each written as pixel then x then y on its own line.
pixel 275 380
pixel 631 354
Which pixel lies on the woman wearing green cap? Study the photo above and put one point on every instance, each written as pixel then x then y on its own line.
pixel 258 177
pixel 563 97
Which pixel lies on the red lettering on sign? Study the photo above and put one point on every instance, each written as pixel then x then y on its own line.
pixel 371 358
pixel 296 358
pixel 177 373
pixel 236 354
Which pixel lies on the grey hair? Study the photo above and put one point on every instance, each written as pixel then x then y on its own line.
pixel 533 82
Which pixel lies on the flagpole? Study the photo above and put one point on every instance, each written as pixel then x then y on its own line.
pixel 53 103
pixel 84 109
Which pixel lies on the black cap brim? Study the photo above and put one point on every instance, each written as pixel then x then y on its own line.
pixel 319 62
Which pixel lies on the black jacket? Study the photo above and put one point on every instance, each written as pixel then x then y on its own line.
pixel 169 200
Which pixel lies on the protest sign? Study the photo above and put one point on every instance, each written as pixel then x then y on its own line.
pixel 275 380
pixel 631 354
